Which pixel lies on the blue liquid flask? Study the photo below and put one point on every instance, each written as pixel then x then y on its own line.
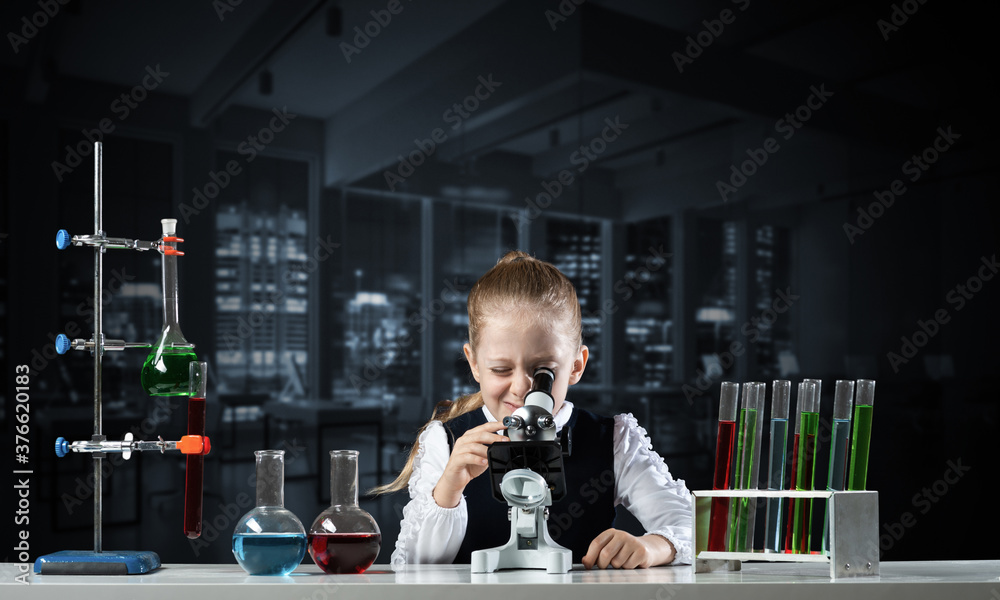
pixel 270 539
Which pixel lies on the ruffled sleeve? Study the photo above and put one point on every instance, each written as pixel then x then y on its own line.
pixel 429 533
pixel 645 486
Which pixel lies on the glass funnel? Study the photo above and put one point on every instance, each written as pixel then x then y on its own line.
pixel 165 371
pixel 344 538
pixel 270 539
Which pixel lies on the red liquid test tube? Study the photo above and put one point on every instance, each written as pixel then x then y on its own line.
pixel 195 467
pixel 719 519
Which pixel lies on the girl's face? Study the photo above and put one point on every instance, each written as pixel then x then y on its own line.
pixel 509 351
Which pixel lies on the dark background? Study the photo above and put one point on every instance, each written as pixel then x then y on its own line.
pixel 329 300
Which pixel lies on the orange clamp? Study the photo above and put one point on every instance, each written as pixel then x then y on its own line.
pixel 171 251
pixel 194 444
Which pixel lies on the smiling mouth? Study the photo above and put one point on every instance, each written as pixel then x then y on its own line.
pixel 512 406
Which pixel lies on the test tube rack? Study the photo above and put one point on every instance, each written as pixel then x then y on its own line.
pixel 853 515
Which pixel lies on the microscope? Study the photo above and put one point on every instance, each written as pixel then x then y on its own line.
pixel 527 473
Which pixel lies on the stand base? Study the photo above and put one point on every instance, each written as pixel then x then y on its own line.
pixel 88 562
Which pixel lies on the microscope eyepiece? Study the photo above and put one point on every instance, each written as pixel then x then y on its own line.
pixel 542 380
pixel 513 422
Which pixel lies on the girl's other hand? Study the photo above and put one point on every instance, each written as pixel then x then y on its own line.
pixel 622 550
pixel 467 461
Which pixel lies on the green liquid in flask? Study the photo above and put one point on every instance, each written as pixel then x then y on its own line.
pixel 165 372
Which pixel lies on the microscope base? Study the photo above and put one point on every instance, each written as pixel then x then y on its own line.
pixel 530 547
pixel 555 561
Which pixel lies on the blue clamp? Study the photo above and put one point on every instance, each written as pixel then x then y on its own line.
pixel 62 344
pixel 62 447
pixel 63 239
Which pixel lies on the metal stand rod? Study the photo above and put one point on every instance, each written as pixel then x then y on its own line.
pixel 98 341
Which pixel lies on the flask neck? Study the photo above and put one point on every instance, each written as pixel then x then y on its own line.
pixel 343 478
pixel 170 306
pixel 270 478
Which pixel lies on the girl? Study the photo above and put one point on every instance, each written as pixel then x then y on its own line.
pixel 524 314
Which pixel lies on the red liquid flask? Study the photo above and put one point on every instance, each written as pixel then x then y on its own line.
pixel 344 552
pixel 344 538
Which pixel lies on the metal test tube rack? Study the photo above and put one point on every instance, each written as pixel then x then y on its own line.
pixel 854 547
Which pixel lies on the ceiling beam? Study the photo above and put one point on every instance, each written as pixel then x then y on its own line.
pixel 633 50
pixel 281 21
pixel 425 99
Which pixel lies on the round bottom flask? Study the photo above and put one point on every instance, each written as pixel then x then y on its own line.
pixel 344 538
pixel 270 539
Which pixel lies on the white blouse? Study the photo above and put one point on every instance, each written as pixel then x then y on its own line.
pixel 643 484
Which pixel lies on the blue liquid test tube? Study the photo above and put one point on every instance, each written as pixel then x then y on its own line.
pixel 840 433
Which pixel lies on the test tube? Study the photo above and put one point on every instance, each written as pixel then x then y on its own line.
pixel 761 390
pixel 747 455
pixel 836 478
pixel 780 391
pixel 861 434
pixel 805 467
pixel 194 469
pixel 719 519
pixel 793 460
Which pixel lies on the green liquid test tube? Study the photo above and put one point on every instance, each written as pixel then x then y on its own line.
pixel 747 453
pixel 861 434
pixel 780 391
pixel 805 466
pixel 751 520
pixel 836 478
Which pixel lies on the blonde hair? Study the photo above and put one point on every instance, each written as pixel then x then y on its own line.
pixel 518 279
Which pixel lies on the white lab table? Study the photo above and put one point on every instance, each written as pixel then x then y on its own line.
pixel 951 580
